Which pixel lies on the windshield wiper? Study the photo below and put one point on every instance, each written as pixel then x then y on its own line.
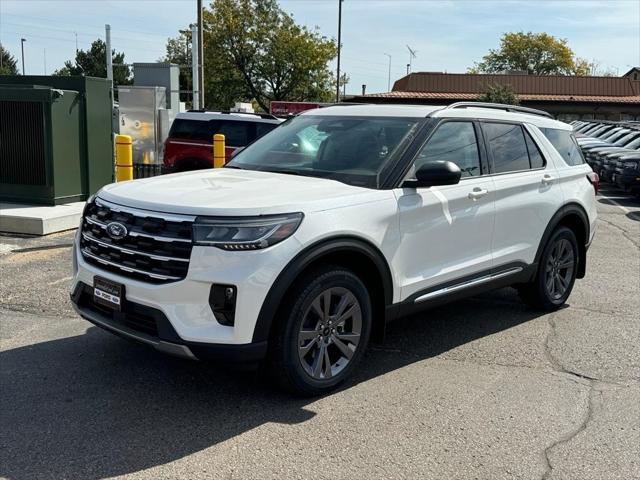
pixel 233 166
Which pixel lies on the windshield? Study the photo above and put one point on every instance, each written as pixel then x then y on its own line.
pixel 349 149
pixel 626 139
pixel 634 144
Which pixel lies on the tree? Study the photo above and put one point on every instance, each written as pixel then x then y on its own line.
pixel 93 63
pixel 534 53
pixel 8 64
pixel 254 50
pixel 179 52
pixel 499 94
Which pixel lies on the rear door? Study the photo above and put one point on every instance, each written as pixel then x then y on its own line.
pixel 527 192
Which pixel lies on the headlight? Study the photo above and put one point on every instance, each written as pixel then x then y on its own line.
pixel 245 233
pixel 86 205
pixel 630 164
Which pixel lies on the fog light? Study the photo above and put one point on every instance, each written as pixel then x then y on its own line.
pixel 222 300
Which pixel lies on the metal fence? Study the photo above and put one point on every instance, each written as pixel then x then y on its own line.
pixel 146 170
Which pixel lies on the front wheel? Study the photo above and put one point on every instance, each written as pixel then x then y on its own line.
pixel 556 273
pixel 323 333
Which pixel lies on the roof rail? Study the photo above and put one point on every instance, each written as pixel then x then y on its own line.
pixel 501 106
pixel 227 112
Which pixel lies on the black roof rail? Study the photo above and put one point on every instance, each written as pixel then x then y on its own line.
pixel 501 106
pixel 227 112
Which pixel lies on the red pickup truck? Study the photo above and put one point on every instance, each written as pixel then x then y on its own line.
pixel 189 145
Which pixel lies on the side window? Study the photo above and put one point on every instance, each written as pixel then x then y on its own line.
pixel 455 142
pixel 566 145
pixel 508 147
pixel 236 133
pixel 535 156
pixel 264 128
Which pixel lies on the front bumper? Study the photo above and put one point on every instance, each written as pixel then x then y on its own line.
pixel 185 303
pixel 150 326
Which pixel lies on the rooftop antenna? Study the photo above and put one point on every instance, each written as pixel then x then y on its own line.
pixel 412 55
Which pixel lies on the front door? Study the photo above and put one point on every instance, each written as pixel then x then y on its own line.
pixel 446 231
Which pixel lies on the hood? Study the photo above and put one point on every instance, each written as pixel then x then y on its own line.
pixel 227 191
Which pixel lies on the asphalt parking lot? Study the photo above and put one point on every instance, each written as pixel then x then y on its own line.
pixel 484 388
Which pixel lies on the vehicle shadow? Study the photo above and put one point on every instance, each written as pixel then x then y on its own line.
pixel 623 199
pixel 95 406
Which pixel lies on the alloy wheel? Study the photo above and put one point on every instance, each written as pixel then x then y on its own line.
pixel 330 333
pixel 559 269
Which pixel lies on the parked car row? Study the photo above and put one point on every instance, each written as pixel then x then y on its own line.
pixel 612 149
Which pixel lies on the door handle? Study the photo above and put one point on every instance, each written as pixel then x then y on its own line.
pixel 547 179
pixel 477 193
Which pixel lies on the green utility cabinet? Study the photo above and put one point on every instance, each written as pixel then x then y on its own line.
pixel 55 138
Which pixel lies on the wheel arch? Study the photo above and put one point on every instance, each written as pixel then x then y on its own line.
pixel 357 254
pixel 573 216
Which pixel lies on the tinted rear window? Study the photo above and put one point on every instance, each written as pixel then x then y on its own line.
pixel 566 145
pixel 237 133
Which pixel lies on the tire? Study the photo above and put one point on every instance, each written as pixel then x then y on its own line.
pixel 556 273
pixel 305 327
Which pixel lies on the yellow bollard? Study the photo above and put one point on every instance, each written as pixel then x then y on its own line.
pixel 124 158
pixel 219 157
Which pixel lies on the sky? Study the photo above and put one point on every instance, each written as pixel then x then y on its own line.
pixel 448 35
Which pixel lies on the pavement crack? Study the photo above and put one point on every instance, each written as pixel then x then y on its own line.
pixel 42 247
pixel 571 435
pixel 625 234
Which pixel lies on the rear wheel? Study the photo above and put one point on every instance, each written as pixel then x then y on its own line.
pixel 556 273
pixel 324 331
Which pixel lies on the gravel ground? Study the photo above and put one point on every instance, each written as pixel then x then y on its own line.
pixel 481 389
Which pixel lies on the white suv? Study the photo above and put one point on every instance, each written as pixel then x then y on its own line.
pixel 312 238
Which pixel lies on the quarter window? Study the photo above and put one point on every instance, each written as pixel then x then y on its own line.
pixel 455 142
pixel 566 145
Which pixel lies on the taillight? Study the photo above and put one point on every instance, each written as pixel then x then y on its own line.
pixel 594 180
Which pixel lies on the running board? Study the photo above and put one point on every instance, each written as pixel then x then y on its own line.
pixel 470 283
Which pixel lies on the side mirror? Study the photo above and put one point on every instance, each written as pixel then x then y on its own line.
pixel 432 174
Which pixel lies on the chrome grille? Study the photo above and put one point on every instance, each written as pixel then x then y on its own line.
pixel 156 249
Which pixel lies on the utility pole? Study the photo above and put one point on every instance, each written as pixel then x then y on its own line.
pixel 339 48
pixel 76 34
pixel 200 55
pixel 389 78
pixel 107 31
pixel 22 40
pixel 195 100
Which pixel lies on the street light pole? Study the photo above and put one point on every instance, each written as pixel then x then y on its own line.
pixel 22 40
pixel 389 79
pixel 339 48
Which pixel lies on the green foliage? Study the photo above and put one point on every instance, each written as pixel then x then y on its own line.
pixel 499 94
pixel 534 53
pixel 93 63
pixel 9 65
pixel 254 50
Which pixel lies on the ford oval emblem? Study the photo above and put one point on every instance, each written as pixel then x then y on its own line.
pixel 116 230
